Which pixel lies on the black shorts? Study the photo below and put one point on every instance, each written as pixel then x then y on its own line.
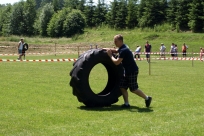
pixel 148 55
pixel 129 81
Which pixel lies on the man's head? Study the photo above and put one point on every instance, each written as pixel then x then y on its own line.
pixel 118 40
pixel 21 39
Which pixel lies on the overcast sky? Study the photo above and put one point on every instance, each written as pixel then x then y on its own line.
pixel 14 1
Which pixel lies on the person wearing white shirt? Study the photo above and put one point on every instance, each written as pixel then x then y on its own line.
pixel 137 52
pixel 20 48
pixel 162 50
pixel 172 49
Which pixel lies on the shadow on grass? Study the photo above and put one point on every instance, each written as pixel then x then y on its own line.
pixel 116 108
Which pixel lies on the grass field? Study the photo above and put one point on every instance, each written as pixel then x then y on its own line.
pixel 36 100
pixel 104 37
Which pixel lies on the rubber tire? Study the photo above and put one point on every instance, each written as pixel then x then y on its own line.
pixel 80 82
pixel 25 47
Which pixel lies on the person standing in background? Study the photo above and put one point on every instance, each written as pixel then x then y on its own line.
pixel 172 50
pixel 184 49
pixel 147 51
pixel 20 48
pixel 137 52
pixel 162 50
pixel 176 51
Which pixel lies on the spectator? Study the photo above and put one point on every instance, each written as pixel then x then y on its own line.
pixel 147 51
pixel 201 53
pixel 172 50
pixel 184 49
pixel 20 48
pixel 137 52
pixel 176 51
pixel 162 50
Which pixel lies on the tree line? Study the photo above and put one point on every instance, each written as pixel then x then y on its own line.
pixel 65 18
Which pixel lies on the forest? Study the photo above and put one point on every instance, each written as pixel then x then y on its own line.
pixel 65 18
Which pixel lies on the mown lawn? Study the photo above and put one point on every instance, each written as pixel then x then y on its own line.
pixel 36 99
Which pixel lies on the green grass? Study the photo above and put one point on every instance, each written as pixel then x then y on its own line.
pixel 104 37
pixel 36 99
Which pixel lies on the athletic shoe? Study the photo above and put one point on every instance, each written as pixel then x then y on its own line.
pixel 148 102
pixel 125 106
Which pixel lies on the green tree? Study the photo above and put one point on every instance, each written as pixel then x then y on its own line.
pixel 112 14
pixel 56 5
pixel 72 4
pixel 5 20
pixel 121 15
pixel 131 20
pixel 81 5
pixel 196 16
pixel 55 25
pixel 182 14
pixel 17 26
pixel 151 13
pixel 44 2
pixel 74 23
pixel 171 13
pixel 44 18
pixel 100 13
pixel 29 17
pixel 38 3
pixel 89 14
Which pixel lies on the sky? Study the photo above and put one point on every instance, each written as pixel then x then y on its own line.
pixel 14 1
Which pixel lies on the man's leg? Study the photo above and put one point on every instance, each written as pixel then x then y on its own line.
pixel 148 99
pixel 125 95
pixel 140 93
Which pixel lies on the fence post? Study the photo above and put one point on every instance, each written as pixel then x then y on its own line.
pixel 55 49
pixel 78 50
pixel 192 57
pixel 91 47
pixel 150 63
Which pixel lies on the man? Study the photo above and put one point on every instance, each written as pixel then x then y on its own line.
pixel 129 80
pixel 172 50
pixel 184 49
pixel 147 51
pixel 20 49
pixel 137 52
pixel 162 50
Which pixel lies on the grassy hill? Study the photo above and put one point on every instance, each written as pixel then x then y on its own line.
pixel 104 37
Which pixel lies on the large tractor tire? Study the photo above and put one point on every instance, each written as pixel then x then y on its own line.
pixel 80 79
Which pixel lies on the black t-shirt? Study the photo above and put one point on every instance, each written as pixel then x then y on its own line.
pixel 148 48
pixel 128 61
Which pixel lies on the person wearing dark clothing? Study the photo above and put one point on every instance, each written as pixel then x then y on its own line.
pixel 147 51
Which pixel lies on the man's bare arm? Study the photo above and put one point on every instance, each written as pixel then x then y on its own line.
pixel 113 50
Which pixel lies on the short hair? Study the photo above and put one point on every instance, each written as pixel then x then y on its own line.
pixel 119 37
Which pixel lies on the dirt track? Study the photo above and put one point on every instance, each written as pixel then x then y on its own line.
pixel 11 48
